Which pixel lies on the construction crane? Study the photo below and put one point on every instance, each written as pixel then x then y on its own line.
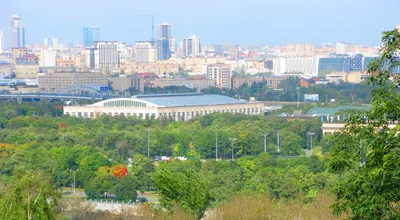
pixel 152 25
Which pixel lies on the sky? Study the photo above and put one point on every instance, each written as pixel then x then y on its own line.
pixel 250 22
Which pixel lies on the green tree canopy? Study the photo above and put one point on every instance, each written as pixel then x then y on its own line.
pixel 366 155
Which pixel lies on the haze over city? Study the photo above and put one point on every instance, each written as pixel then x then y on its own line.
pixel 253 22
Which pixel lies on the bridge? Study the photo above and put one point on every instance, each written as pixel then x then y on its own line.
pixel 74 92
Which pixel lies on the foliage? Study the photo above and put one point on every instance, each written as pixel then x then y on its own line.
pixel 29 195
pixel 366 155
pixel 187 188
pixel 119 170
pixel 126 188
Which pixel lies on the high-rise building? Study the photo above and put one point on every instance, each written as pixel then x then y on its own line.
pixel 17 32
pixel 145 52
pixel 221 74
pixel 172 45
pixel 50 41
pixel 103 54
pixel 163 41
pixel 1 42
pixel 342 47
pixel 191 46
pixel 90 35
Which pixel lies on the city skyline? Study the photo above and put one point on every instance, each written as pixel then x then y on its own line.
pixel 255 23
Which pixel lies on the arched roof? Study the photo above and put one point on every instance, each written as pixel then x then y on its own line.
pixel 124 102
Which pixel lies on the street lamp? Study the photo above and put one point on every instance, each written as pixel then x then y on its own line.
pixel 311 134
pixel 265 142
pixel 233 151
pixel 298 96
pixel 148 141
pixel 74 186
pixel 277 140
pixel 216 142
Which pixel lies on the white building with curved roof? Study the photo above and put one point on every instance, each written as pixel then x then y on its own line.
pixel 179 107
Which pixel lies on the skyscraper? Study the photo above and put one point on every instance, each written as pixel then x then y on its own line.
pixel 50 41
pixel 191 46
pixel 90 35
pixel 1 42
pixel 163 41
pixel 17 32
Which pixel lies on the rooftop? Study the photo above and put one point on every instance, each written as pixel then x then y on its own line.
pixel 318 111
pixel 169 100
pixel 187 99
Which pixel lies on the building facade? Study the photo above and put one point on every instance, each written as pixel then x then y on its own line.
pixel 145 52
pixel 48 58
pixel 163 41
pixel 103 54
pixel 221 74
pixel 270 82
pixel 342 47
pixel 90 35
pixel 197 84
pixel 300 50
pixel 5 70
pixel 125 82
pixel 160 68
pixel 178 107
pixel 17 32
pixel 305 65
pixel 56 82
pixel 199 64
pixel 191 46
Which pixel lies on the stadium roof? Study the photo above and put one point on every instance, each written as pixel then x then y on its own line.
pixel 187 99
pixel 170 100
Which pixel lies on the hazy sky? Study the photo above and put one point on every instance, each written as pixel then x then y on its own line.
pixel 254 22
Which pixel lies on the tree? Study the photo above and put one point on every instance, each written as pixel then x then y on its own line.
pixel 99 186
pixel 369 165
pixel 126 188
pixel 29 195
pixel 187 189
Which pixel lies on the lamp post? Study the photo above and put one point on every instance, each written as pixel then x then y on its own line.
pixel 311 134
pixel 265 142
pixel 216 142
pixel 233 151
pixel 148 141
pixel 74 184
pixel 298 96
pixel 277 140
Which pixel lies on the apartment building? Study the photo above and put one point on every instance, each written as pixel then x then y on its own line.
pixel 56 82
pixel 221 74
